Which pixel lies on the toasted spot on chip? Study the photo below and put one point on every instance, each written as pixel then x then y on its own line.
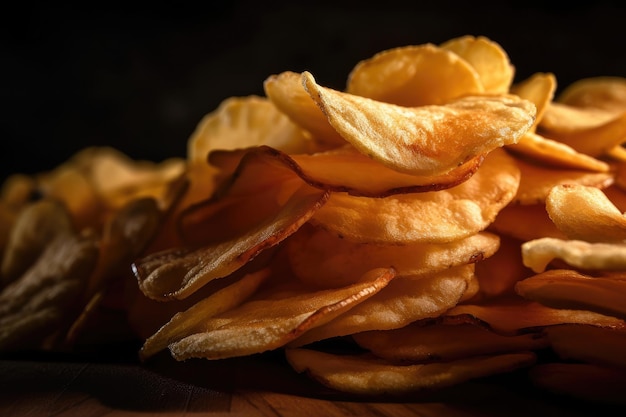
pixel 428 139
pixel 414 75
pixel 367 375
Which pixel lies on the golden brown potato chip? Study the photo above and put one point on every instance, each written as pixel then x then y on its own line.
pixel 321 259
pixel 539 88
pixel 581 381
pixel 606 93
pixel 588 130
pixel 274 318
pixel 403 301
pixel 538 254
pixel 590 344
pixel 432 217
pixel 516 315
pixel 585 213
pixel 568 289
pixel 538 180
pixel 513 221
pixel 441 342
pixel 415 75
pixel 368 375
pixel 488 58
pixel 428 139
pixel 555 154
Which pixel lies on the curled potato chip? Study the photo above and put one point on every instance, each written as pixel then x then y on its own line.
pixel 427 139
pixel 606 93
pixel 513 221
pixel 539 88
pixel 516 315
pixel 274 318
pixel 555 154
pixel 433 217
pixel 588 130
pixel 403 301
pixel 367 375
pixel 441 342
pixel 538 253
pixel 565 288
pixel 322 259
pixel 414 75
pixel 538 180
pixel 488 58
pixel 585 213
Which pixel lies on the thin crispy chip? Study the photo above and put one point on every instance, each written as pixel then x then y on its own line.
pixel 488 58
pixel 414 75
pixel 516 315
pixel 432 217
pixel 424 140
pixel 537 181
pixel 403 301
pixel 606 93
pixel 538 254
pixel 274 318
pixel 367 375
pixel 441 342
pixel 555 154
pixel 568 289
pixel 322 259
pixel 585 213
pixel 513 221
pixel 590 344
pixel 539 88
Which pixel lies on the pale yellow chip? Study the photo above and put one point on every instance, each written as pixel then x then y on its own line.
pixel 579 254
pixel 439 216
pixel 367 375
pixel 415 75
pixel 403 301
pixel 568 289
pixel 539 88
pixel 427 139
pixel 585 213
pixel 488 58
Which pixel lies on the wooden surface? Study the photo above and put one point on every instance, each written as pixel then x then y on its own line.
pixel 63 385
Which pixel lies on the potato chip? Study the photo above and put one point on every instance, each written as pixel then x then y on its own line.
pixel 585 213
pixel 367 375
pixel 433 217
pixel 590 344
pixel 427 139
pixel 488 58
pixel 538 254
pixel 539 88
pixel 588 130
pixel 565 288
pixel 441 342
pixel 403 301
pixel 274 318
pixel 321 259
pixel 516 315
pixel 513 221
pixel 538 180
pixel 606 93
pixel 415 75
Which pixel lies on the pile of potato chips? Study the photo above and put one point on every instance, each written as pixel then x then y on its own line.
pixel 439 220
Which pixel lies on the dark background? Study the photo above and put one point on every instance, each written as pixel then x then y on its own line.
pixel 140 79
